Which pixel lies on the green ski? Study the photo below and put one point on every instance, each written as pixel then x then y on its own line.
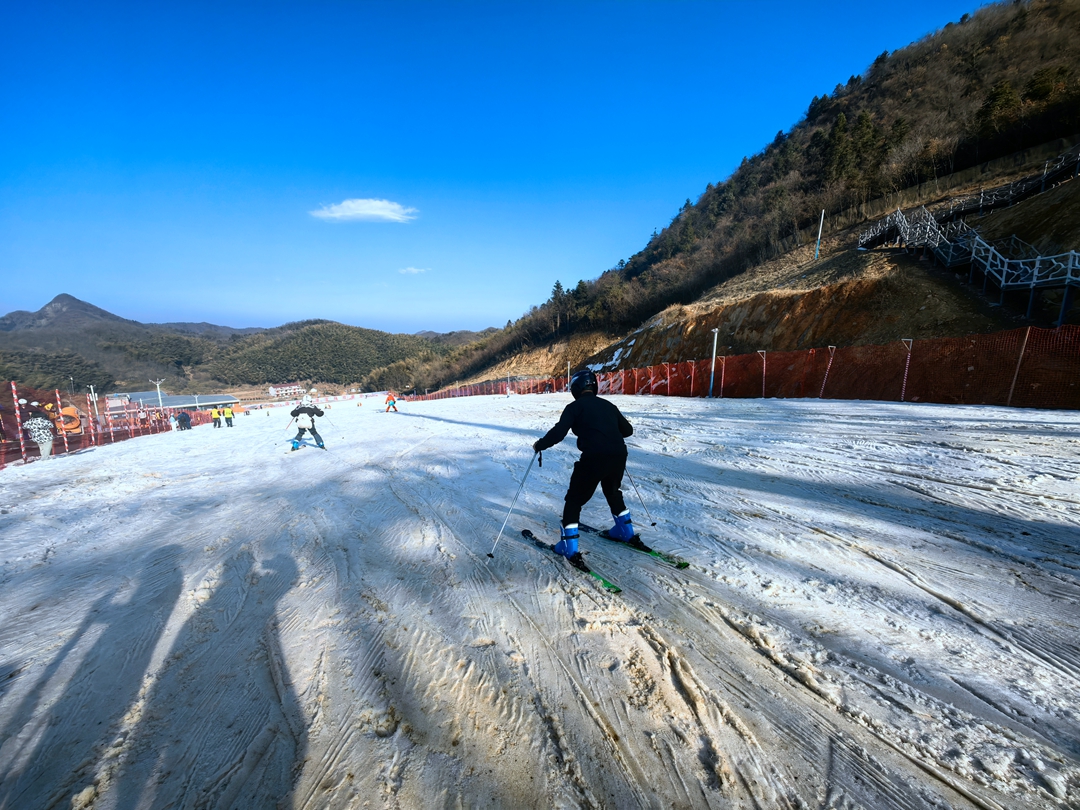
pixel 611 587
pixel 637 545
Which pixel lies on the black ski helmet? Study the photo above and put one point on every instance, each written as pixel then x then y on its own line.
pixel 583 381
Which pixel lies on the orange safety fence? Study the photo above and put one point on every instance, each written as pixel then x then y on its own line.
pixel 78 422
pixel 1026 368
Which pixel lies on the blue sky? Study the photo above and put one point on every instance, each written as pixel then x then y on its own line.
pixel 398 165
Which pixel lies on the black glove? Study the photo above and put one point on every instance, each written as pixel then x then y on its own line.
pixel 536 446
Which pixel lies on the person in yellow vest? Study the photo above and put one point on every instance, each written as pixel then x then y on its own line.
pixel 215 415
pixel 228 414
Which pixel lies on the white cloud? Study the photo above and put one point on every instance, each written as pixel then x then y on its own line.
pixel 412 271
pixel 377 210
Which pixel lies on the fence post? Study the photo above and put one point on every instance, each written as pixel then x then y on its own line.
pixel 825 379
pixel 18 421
pixel 91 421
pixel 723 368
pixel 1016 373
pixel 907 365
pixel 712 374
pixel 762 353
pixel 60 419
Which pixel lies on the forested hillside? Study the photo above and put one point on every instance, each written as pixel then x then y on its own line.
pixel 69 343
pixel 315 350
pixel 1002 79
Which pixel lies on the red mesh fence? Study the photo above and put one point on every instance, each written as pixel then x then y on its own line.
pixel 1027 368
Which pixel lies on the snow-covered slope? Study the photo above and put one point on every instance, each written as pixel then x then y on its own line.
pixel 883 610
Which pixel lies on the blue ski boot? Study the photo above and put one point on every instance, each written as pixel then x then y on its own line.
pixel 623 530
pixel 295 445
pixel 567 545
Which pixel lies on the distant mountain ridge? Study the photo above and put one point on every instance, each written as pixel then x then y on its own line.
pixel 67 311
pixel 71 344
pixel 63 311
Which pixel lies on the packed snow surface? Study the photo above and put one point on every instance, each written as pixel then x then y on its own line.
pixel 881 611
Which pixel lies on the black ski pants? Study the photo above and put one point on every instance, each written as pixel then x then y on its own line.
pixel 590 470
pixel 314 434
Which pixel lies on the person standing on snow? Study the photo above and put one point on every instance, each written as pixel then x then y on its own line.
pixel 215 415
pixel 305 414
pixel 228 414
pixel 39 428
pixel 601 429
pixel 391 402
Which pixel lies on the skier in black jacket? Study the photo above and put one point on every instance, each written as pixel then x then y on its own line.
pixel 600 429
pixel 305 414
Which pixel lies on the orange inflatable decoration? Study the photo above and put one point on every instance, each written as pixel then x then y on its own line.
pixel 68 420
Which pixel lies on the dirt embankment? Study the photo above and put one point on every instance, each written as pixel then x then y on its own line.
pixel 545 361
pixel 1049 221
pixel 849 298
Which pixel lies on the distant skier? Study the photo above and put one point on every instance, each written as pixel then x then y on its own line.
pixel 305 414
pixel 391 402
pixel 228 414
pixel 183 419
pixel 601 429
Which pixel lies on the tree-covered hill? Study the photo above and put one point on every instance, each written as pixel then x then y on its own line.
pixel 315 350
pixel 70 343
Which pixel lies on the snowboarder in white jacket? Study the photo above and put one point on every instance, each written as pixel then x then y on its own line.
pixel 305 414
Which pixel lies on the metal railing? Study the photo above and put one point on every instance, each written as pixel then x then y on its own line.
pixel 1054 170
pixel 1012 263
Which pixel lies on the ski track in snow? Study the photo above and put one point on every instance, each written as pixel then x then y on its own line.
pixel 881 611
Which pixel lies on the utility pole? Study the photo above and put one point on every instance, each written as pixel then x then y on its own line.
pixel 712 373
pixel 157 384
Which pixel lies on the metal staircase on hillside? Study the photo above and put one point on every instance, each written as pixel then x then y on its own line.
pixel 1012 263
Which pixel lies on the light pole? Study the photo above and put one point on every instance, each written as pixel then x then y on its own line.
pixel 158 383
pixel 821 225
pixel 72 385
pixel 93 398
pixel 712 372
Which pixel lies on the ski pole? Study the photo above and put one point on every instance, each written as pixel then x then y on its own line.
pixel 497 539
pixel 643 506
